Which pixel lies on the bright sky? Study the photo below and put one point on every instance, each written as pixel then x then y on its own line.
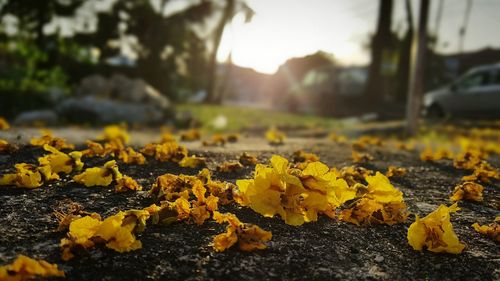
pixel 282 29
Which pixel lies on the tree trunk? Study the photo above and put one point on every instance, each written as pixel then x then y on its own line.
pixel 417 74
pixel 381 41
pixel 404 57
pixel 212 96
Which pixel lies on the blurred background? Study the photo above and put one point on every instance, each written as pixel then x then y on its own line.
pixel 156 62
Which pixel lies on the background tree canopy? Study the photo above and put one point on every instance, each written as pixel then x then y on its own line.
pixel 55 43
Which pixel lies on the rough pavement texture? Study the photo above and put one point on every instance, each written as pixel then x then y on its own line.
pixel 322 250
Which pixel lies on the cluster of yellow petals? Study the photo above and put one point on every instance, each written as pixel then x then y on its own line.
pixel 248 236
pixel 25 268
pixel 185 197
pixel 50 165
pixel 470 191
pixel 116 231
pixel 435 232
pixel 48 138
pixel 491 230
pixel 429 155
pixel 362 142
pixel 337 138
pixel 221 139
pixel 275 137
pixel 380 203
pixel 4 125
pixel 483 172
pixel 302 158
pixel 130 156
pixel 296 196
pixel 167 151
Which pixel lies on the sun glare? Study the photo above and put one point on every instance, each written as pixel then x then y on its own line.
pixel 275 35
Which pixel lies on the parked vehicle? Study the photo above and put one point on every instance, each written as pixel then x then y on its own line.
pixel 474 94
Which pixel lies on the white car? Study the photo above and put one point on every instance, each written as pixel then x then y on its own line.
pixel 476 93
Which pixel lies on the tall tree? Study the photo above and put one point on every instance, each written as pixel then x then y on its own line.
pixel 381 42
pixel 230 9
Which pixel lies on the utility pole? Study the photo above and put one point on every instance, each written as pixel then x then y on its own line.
pixel 417 71
pixel 463 29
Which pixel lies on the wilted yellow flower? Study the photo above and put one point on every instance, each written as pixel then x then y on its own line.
pixel 216 140
pixel 247 159
pixel 4 125
pixel 130 156
pixel 362 142
pixel 48 138
pixel 57 162
pixel 192 162
pixel 468 191
pixel 441 153
pixel 435 232
pixel 380 188
pixel 297 196
pixel 25 268
pixel 99 176
pixel 126 183
pixel 26 175
pixel 275 137
pixel 248 236
pixel 353 174
pixel 483 172
pixel 169 151
pixel 6 147
pixel 191 135
pixel 393 171
pixel 358 157
pixel 337 138
pixel 116 231
pixel 469 159
pixel 115 133
pixel 491 230
pixel 229 167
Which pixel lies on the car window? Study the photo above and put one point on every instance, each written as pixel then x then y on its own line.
pixel 477 79
pixel 496 78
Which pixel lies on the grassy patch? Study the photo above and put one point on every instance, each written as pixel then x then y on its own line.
pixel 239 118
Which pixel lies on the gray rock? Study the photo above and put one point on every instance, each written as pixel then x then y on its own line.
pixel 34 117
pixel 95 110
pixel 118 99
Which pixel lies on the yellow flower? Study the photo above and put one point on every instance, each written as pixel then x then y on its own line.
pixel 6 147
pixel 393 171
pixel 358 157
pixel 130 156
pixel 275 137
pixel 26 176
pixel 191 135
pixel 48 138
pixel 82 229
pixel 483 172
pixel 4 125
pixel 381 189
pixel 99 176
pixel 58 162
pixel 168 151
pixel 492 230
pixel 126 183
pixel 229 167
pixel 25 268
pixel 192 162
pixel 115 133
pixel 247 159
pixel 435 232
pixel 248 236
pixel 468 191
